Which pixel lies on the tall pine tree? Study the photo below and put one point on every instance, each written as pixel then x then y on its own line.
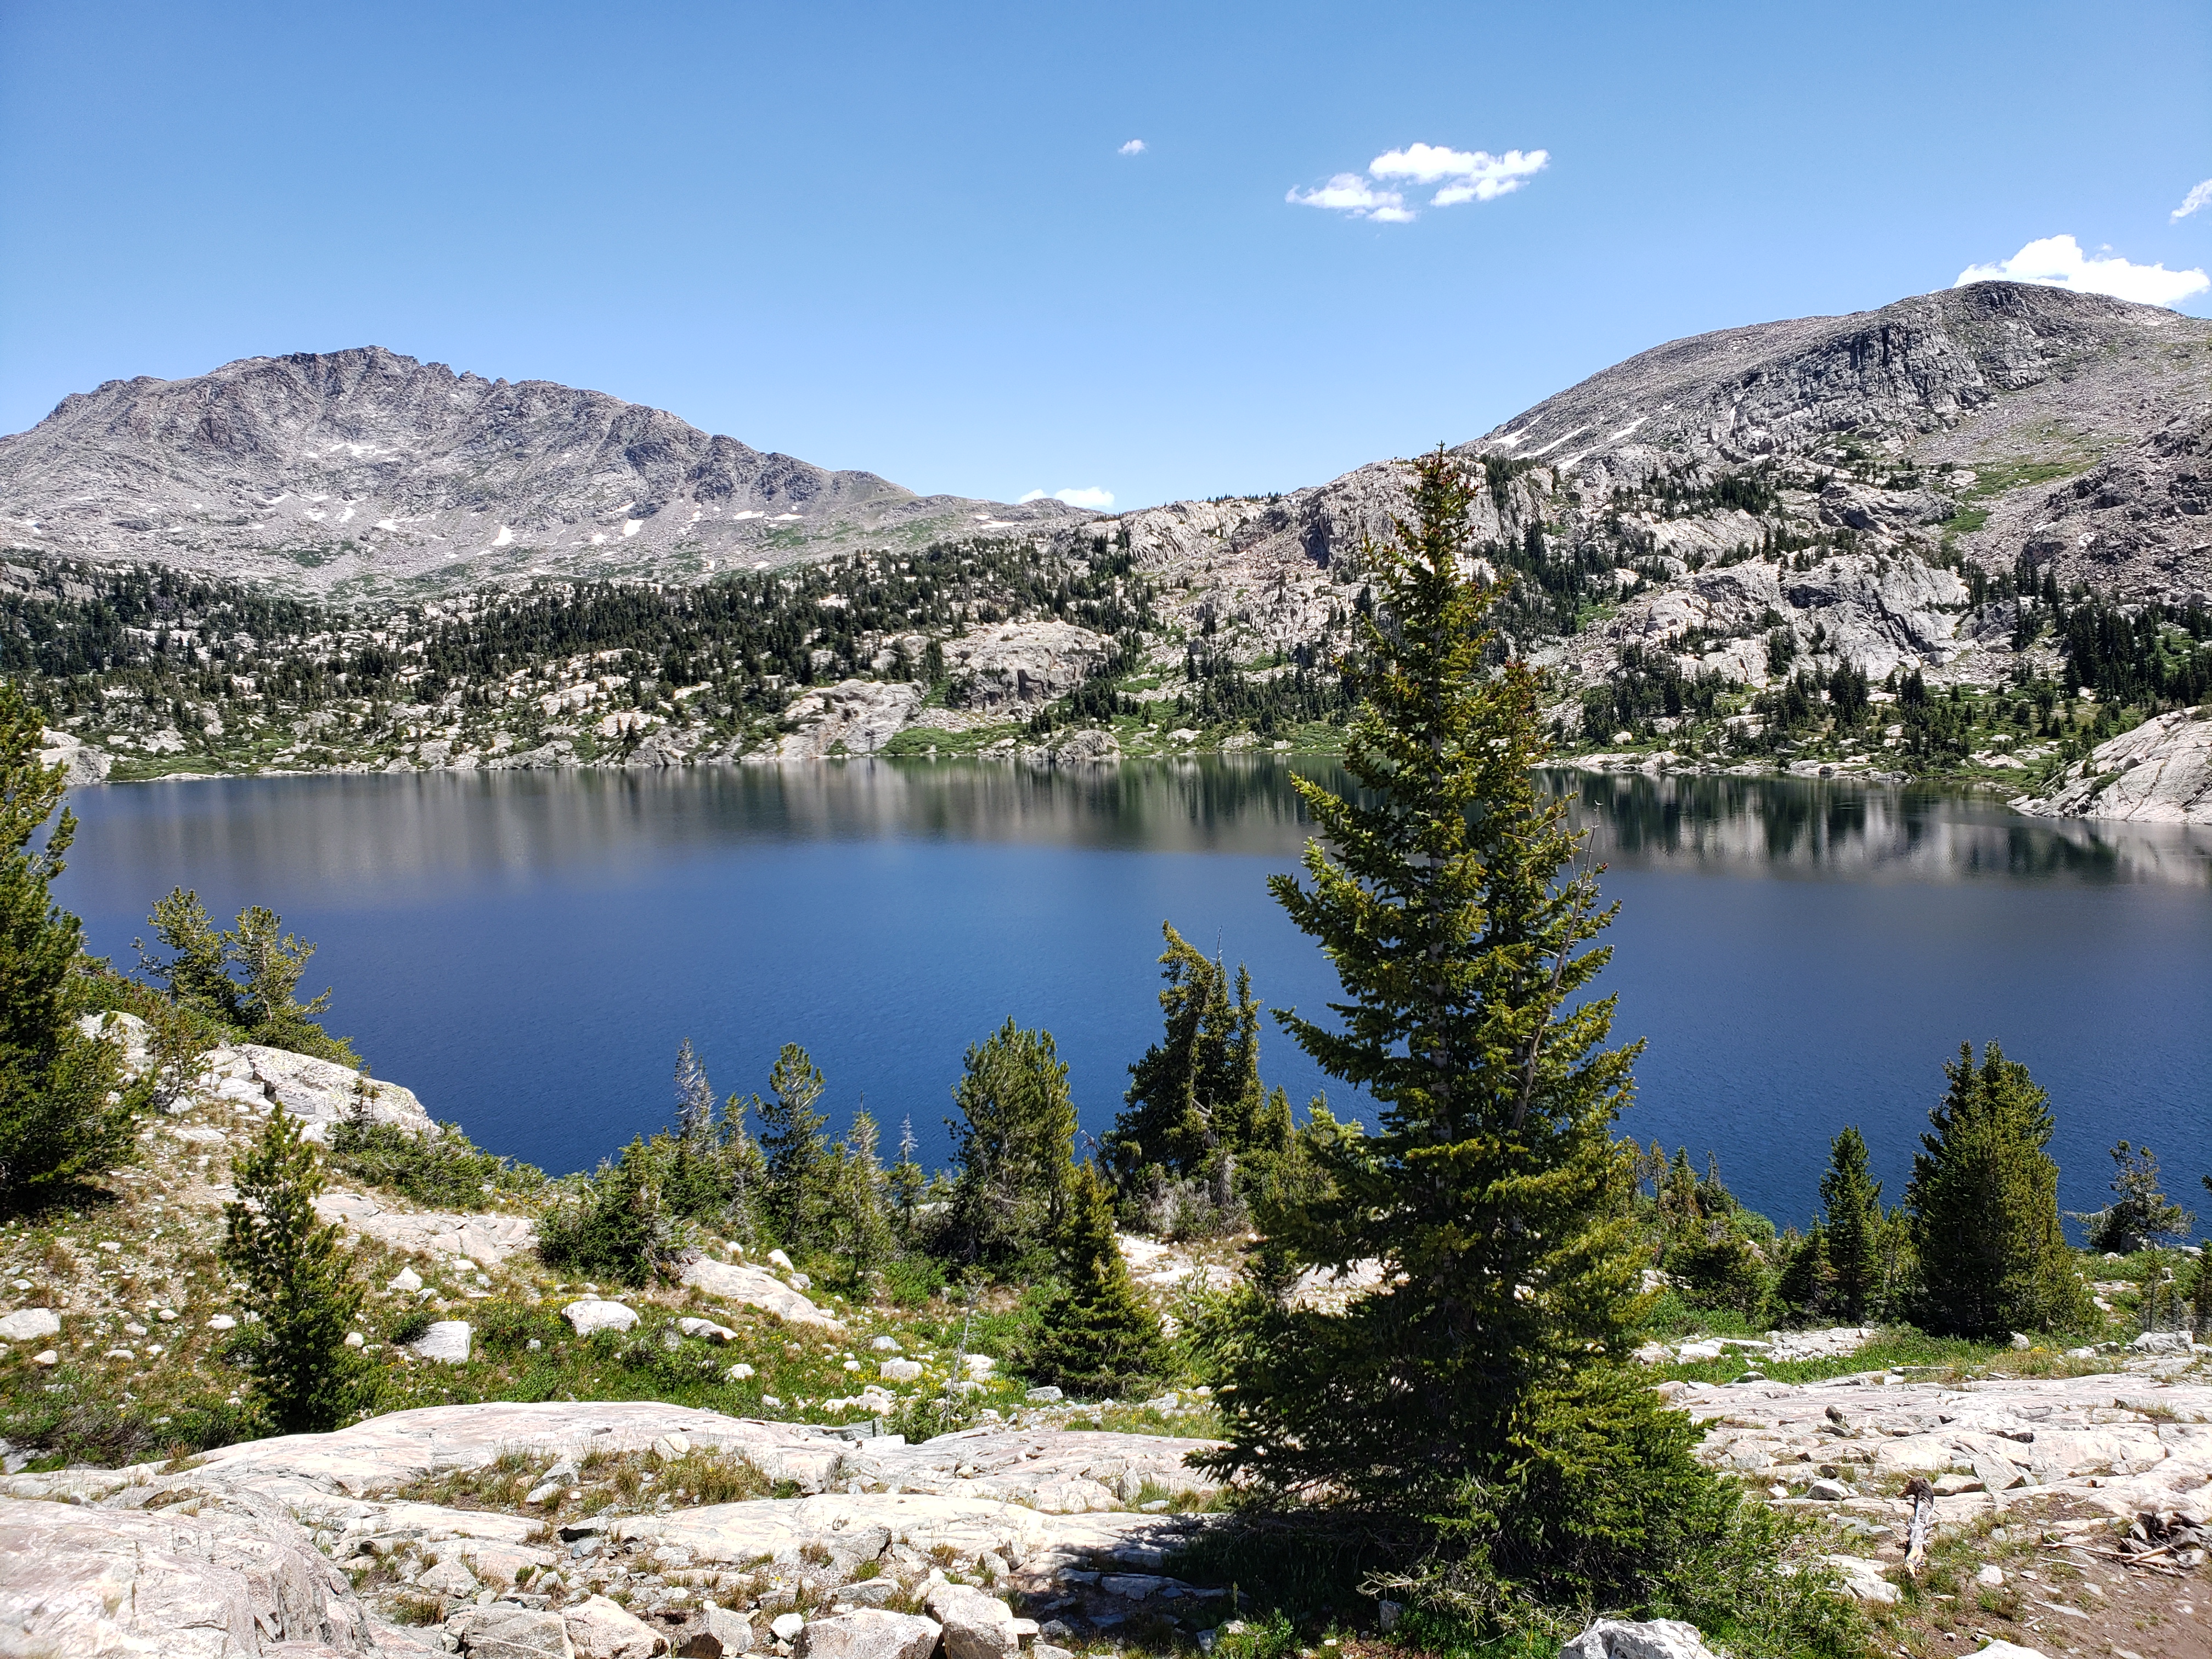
pixel 1851 1208
pixel 795 1149
pixel 1493 1193
pixel 1196 1093
pixel 1983 1203
pixel 1013 1143
pixel 58 1125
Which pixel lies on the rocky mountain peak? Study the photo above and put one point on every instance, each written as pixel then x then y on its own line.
pixel 369 470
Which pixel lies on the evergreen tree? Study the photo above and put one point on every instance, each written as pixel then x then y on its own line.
pixel 612 1228
pixel 263 1004
pixel 1098 1338
pixel 907 1180
pixel 2141 1216
pixel 1196 1093
pixel 1492 1194
pixel 796 1151
pixel 58 1126
pixel 694 1095
pixel 1014 1145
pixel 863 1226
pixel 1850 1209
pixel 1983 1199
pixel 297 1279
pixel 1806 1287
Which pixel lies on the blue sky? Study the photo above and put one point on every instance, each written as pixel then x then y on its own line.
pixel 907 238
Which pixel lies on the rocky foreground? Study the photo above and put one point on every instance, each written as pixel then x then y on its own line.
pixel 317 1545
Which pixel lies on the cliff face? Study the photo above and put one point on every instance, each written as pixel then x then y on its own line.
pixel 1993 423
pixel 368 469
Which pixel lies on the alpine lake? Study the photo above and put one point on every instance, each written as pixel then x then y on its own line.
pixel 525 950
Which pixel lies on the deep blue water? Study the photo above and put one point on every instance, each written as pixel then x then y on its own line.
pixel 525 951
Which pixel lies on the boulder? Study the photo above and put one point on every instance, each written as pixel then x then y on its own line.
pixel 853 717
pixel 707 1329
pixel 869 1633
pixel 734 1282
pixel 2160 773
pixel 590 1315
pixel 1862 1579
pixel 28 1324
pixel 85 764
pixel 318 1092
pixel 447 1339
pixel 892 1370
pixel 504 1631
pixel 76 1580
pixel 787 1626
pixel 600 1629
pixel 977 1626
pixel 487 1240
pixel 1647 1639
pixel 719 1634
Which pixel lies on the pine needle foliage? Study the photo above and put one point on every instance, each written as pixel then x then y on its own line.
pixel 298 1281
pixel 1851 1210
pixel 1493 1193
pixel 1097 1337
pixel 1196 1093
pixel 1013 1145
pixel 1984 1201
pixel 58 1126
pixel 2141 1216
pixel 795 1149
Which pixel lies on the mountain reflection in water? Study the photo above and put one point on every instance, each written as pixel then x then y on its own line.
pixel 525 950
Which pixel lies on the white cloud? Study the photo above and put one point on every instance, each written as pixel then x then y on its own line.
pixel 1134 147
pixel 1467 175
pixel 1350 194
pixel 1478 175
pixel 1092 497
pixel 2058 262
pixel 2198 197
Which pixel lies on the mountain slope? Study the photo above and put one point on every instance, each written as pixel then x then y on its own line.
pixel 367 471
pixel 2031 432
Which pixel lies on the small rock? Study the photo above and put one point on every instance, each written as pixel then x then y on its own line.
pixel 48 1357
pixel 26 1324
pixel 506 1631
pixel 1648 1638
pixel 739 1372
pixel 448 1578
pixel 599 1629
pixel 706 1328
pixel 899 1370
pixel 2020 1343
pixel 354 1340
pixel 1828 1491
pixel 1044 1396
pixel 867 1633
pixel 1386 1615
pixel 592 1314
pixel 446 1339
pixel 885 1344
pixel 977 1626
pixel 1862 1579
pixel 1991 1576
pixel 222 1322
pixel 721 1634
pixel 778 1258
